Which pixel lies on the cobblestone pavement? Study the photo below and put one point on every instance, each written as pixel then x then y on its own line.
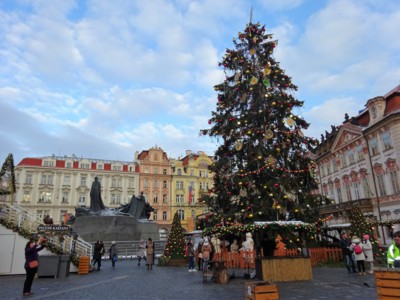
pixel 128 281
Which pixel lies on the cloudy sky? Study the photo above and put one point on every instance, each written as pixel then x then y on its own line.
pixel 103 79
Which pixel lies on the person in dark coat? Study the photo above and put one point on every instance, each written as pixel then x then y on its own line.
pixel 98 252
pixel 348 260
pixel 113 253
pixel 31 263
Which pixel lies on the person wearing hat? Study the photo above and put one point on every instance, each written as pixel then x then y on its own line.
pixel 206 251
pixel 393 254
pixel 31 263
pixel 113 253
pixel 348 260
pixel 369 255
pixel 357 249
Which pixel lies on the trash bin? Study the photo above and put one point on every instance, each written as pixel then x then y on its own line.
pixel 63 266
pixel 48 265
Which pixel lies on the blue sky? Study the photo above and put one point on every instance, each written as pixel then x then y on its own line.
pixel 103 79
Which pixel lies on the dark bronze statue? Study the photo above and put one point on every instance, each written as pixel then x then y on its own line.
pixel 96 203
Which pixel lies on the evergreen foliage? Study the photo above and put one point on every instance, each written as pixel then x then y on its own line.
pixel 175 247
pixel 262 169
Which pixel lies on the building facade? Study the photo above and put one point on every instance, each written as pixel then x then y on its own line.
pixel 55 185
pixel 190 180
pixel 155 183
pixel 358 162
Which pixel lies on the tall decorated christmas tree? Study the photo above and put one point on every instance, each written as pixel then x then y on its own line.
pixel 175 247
pixel 359 227
pixel 262 167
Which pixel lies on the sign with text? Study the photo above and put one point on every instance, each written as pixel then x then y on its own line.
pixel 53 228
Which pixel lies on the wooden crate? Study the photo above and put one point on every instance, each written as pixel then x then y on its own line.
pixel 261 290
pixel 84 265
pixel 387 283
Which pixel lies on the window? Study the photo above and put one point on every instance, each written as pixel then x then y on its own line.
pixel 62 214
pixel 48 163
pixel 350 155
pixel 328 168
pixel 147 170
pixel 116 182
pixel 335 166
pixel 84 166
pixel 356 190
pixel 165 198
pixel 46 179
pixel 343 161
pixel 366 189
pixel 374 147
pixel 100 166
pixel 131 182
pixel 146 183
pixel 83 180
pixel 360 152
pixel 67 180
pixel 191 172
pixel 68 165
pixel 386 140
pixel 45 197
pixel 155 215
pixel 339 194
pixel 27 197
pixel 41 213
pixel 164 172
pixel 179 185
pixel 381 185
pixel 28 178
pixel 164 216
pixel 155 198
pixel 394 179
pixel 155 170
pixel 179 198
pixel 179 172
pixel 82 199
pixel 64 198
pixel 116 168
pixel 156 183
pixel 115 198
pixel 164 184
pixel 181 214
pixel 348 191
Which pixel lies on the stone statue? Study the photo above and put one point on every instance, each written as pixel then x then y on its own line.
pixel 96 203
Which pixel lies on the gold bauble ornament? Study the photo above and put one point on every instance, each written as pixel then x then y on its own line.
pixel 268 134
pixel 267 71
pixel 290 121
pixel 253 80
pixel 239 146
pixel 252 51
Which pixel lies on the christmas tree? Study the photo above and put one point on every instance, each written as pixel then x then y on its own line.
pixel 7 178
pixel 175 247
pixel 359 227
pixel 262 168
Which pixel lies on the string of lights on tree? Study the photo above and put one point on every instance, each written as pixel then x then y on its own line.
pixel 262 170
pixel 175 246
pixel 7 175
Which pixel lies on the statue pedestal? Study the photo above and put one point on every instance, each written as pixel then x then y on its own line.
pixel 115 228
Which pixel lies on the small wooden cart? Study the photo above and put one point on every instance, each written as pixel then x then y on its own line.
pixel 261 290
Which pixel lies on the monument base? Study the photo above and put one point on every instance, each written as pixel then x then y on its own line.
pixel 115 228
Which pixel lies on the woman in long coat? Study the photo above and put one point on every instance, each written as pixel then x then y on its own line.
pixel 150 254
pixel 142 251
pixel 369 255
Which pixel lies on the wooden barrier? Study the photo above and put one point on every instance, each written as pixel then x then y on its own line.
pixel 284 269
pixel 84 265
pixel 261 290
pixel 387 283
pixel 246 259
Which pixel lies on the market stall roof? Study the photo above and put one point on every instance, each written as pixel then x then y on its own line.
pixel 334 226
pixel 281 222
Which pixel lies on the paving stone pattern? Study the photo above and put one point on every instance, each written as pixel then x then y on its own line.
pixel 128 281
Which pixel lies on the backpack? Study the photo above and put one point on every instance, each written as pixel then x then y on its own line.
pixel 357 249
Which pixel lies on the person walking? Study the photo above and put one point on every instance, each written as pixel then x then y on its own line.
pixel 348 260
pixel 113 253
pixel 149 254
pixel 369 255
pixel 191 254
pixel 393 254
pixel 142 251
pixel 200 255
pixel 359 256
pixel 31 263
pixel 98 252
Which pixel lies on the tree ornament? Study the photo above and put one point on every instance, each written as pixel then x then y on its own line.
pixel 267 71
pixel 266 82
pixel 252 51
pixel 253 80
pixel 290 121
pixel 239 146
pixel 268 134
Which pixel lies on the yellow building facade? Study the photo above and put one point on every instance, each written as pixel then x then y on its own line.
pixel 190 180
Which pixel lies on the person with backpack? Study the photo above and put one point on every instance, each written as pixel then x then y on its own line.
pixel 359 255
pixel 348 260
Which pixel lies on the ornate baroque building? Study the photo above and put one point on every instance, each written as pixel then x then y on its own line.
pixel 191 179
pixel 358 162
pixel 56 185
